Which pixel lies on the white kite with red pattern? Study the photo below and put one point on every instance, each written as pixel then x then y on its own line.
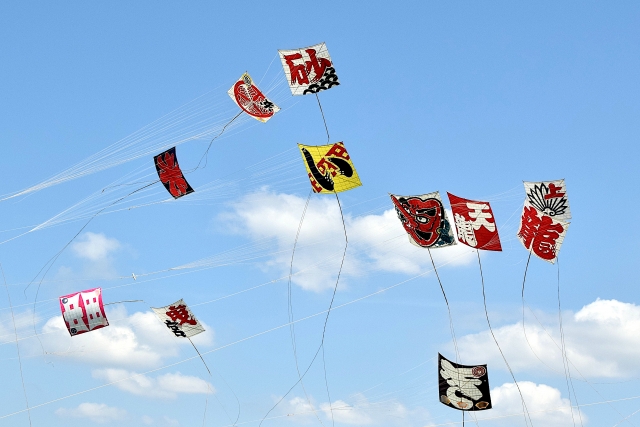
pixel 83 311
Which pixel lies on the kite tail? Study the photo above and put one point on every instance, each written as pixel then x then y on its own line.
pixel 324 329
pixel 206 404
pixel 205 156
pixel 54 258
pixel 214 395
pixel 344 254
pixel 292 329
pixel 565 361
pixel 486 313
pixel 524 329
pixel 453 332
pixel 15 331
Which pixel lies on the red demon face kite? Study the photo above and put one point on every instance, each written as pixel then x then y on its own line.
pixel 424 219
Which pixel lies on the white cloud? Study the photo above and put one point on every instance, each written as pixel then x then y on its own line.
pixel 361 412
pixel 98 413
pixel 544 403
pixel 94 246
pixel 376 242
pixel 344 413
pixel 138 340
pixel 610 323
pixel 166 386
pixel 23 321
pixel 170 421
pixel 147 420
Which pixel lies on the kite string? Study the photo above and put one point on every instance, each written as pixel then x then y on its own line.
pixel 572 364
pixel 292 330
pixel 565 362
pixel 205 155
pixel 323 119
pixel 349 303
pixel 15 331
pixel 486 313
pixel 54 258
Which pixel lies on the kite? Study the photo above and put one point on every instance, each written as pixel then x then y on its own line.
pixel 179 319
pixel 170 174
pixel 475 223
pixel 544 224
pixel 329 167
pixel 248 97
pixel 424 219
pixel 309 69
pixel 83 311
pixel 465 388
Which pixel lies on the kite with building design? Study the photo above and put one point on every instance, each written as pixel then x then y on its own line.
pixel 424 219
pixel 251 100
pixel 544 220
pixel 329 168
pixel 179 319
pixel 475 223
pixel 309 70
pixel 83 311
pixel 170 174
pixel 463 387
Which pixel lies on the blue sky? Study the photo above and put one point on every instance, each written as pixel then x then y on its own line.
pixel 469 98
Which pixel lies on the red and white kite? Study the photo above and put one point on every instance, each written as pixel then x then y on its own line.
pixel 544 224
pixel 248 97
pixel 309 69
pixel 83 311
pixel 475 223
pixel 179 319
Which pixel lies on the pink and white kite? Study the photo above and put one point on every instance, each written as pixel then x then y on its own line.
pixel 83 311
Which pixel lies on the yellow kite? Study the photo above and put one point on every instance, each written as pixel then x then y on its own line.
pixel 329 168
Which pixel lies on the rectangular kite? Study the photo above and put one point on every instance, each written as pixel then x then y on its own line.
pixel 465 388
pixel 544 220
pixel 309 69
pixel 170 174
pixel 250 99
pixel 329 167
pixel 424 219
pixel 179 319
pixel 475 223
pixel 83 311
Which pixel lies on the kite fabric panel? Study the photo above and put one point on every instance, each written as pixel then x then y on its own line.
pixel 424 219
pixel 329 167
pixel 179 319
pixel 549 198
pixel 544 224
pixel 309 69
pixel 465 388
pixel 475 223
pixel 251 100
pixel 170 174
pixel 83 311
